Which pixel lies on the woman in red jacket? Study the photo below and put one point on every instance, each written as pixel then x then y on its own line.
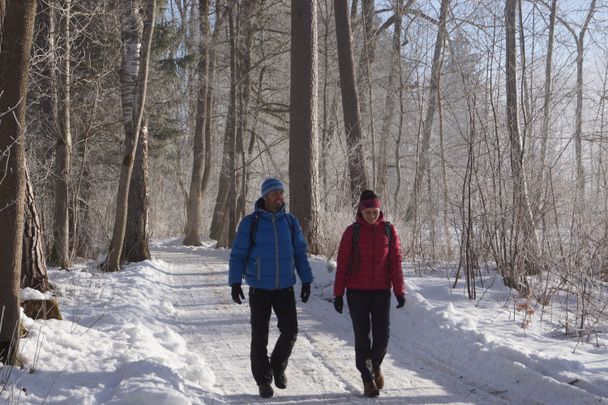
pixel 369 264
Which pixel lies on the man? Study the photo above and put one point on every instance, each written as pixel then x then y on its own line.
pixel 269 244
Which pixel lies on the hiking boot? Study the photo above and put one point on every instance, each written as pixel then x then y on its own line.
pixel 378 378
pixel 370 389
pixel 280 379
pixel 266 391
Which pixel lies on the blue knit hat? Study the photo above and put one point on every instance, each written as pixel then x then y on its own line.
pixel 271 184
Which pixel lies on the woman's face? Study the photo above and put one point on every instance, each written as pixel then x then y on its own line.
pixel 370 215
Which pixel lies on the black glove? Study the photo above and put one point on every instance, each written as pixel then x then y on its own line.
pixel 305 294
pixel 339 303
pixel 237 293
pixel 400 300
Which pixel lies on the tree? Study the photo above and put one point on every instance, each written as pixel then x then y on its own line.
pixel 303 139
pixel 223 225
pixel 193 219
pixel 134 78
pixel 350 102
pixel 578 127
pixel 135 247
pixel 17 33
pixel 60 253
pixel 523 223
pixel 422 166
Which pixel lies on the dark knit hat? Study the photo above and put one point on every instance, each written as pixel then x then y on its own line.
pixel 369 199
pixel 271 184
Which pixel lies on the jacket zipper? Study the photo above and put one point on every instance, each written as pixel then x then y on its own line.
pixel 373 254
pixel 276 250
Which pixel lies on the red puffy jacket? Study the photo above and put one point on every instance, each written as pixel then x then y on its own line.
pixel 375 271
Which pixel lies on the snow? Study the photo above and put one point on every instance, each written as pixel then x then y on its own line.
pixel 165 331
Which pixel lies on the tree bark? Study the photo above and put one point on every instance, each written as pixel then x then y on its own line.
pixel 243 63
pixel 33 267
pixel 134 77
pixel 525 242
pixel 350 103
pixel 224 223
pixel 193 214
pixel 16 42
pixel 136 243
pixel 60 252
pixel 303 138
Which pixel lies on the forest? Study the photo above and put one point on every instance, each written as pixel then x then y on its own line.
pixel 481 124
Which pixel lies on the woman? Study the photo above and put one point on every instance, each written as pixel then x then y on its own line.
pixel 369 264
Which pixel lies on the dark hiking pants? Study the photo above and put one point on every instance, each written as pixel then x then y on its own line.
pixel 369 310
pixel 283 303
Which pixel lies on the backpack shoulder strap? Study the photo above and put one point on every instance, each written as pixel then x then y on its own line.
pixel 356 231
pixel 253 228
pixel 354 250
pixel 289 217
pixel 388 229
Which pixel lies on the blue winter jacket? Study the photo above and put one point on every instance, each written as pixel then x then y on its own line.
pixel 279 249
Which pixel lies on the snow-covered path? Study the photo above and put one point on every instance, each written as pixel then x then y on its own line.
pixel 321 369
pixel 166 332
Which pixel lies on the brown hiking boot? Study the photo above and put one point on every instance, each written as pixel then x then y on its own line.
pixel 378 378
pixel 370 389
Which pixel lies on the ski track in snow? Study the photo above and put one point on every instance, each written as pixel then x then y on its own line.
pixel 321 369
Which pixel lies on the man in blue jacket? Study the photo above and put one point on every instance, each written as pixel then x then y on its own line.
pixel 268 250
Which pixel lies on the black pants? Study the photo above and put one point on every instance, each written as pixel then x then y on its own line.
pixel 369 310
pixel 283 303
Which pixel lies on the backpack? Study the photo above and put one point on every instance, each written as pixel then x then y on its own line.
pixel 354 256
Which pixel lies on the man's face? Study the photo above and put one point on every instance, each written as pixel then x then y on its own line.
pixel 370 215
pixel 274 200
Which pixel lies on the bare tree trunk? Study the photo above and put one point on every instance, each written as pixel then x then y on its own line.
pixel 134 78
pixel 60 253
pixel 389 106
pixel 422 166
pixel 303 139
pixel 193 220
pixel 526 247
pixel 350 103
pixel 209 103
pixel 327 129
pixel 136 244
pixel 364 81
pixel 243 62
pixel 225 204
pixel 538 201
pixel 578 134
pixel 16 42
pixel 33 267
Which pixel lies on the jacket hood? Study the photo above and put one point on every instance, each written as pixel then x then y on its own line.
pixel 260 206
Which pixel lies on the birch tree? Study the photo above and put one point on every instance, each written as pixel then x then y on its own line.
pixel 134 77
